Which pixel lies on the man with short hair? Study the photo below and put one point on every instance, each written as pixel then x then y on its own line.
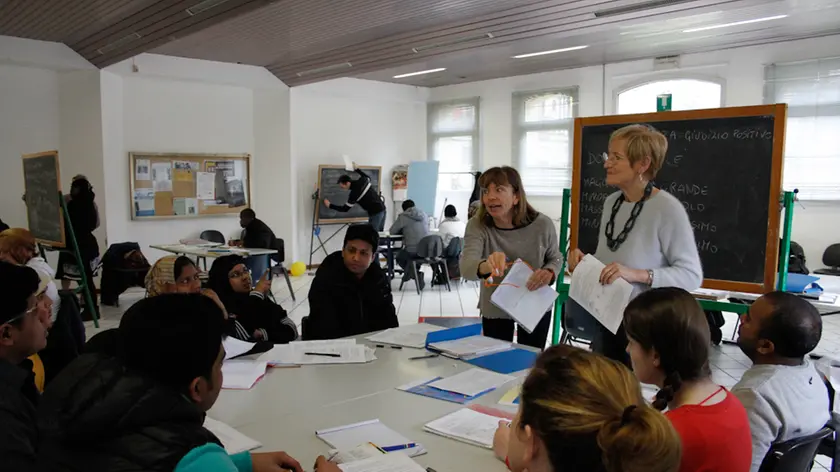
pixel 413 224
pixel 350 295
pixel 783 393
pixel 140 404
pixel 22 334
pixel 363 193
pixel 257 235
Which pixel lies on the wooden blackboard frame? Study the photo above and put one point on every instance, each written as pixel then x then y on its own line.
pixel 191 156
pixel 58 196
pixel 320 200
pixel 779 114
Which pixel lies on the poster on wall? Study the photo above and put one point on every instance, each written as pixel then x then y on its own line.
pixel 142 171
pixel 162 176
pixel 205 185
pixel 399 183
pixel 144 202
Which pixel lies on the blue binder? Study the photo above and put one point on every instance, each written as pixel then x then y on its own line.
pixel 505 362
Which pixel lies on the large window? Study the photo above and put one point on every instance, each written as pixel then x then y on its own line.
pixel 453 141
pixel 686 94
pixel 543 123
pixel 812 157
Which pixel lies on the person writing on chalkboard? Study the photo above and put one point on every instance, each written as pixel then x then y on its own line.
pixel 507 228
pixel 645 235
pixel 84 218
pixel 364 194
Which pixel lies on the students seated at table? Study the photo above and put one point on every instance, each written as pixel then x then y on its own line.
pixel 258 318
pixel 579 411
pixel 22 334
pixel 18 246
pixel 350 295
pixel 783 393
pixel 144 408
pixel 668 343
pixel 256 234
pixel 413 224
pixel 177 274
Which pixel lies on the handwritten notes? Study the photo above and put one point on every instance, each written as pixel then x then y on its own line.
pixel 605 302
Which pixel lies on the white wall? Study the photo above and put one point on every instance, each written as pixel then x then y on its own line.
pixel 742 70
pixel 374 123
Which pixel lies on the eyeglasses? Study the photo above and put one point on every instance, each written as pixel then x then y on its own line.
pixel 614 158
pixel 22 315
pixel 239 274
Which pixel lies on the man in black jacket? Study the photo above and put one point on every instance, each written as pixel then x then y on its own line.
pixel 21 334
pixel 349 295
pixel 363 193
pixel 257 235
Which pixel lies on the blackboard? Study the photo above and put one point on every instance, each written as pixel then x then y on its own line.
pixel 724 165
pixel 328 188
pixel 42 187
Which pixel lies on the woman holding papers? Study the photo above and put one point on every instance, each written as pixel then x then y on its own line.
pixel 669 343
pixel 507 228
pixel 581 411
pixel 646 237
pixel 256 318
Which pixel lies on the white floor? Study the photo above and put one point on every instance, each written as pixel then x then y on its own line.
pixel 728 362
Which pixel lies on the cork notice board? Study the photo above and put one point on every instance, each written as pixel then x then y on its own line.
pixel 170 185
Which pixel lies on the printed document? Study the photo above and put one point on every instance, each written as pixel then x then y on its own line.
pixel 605 302
pixel 241 374
pixel 525 306
pixel 470 346
pixel 472 382
pixel 467 426
pixel 406 336
pixel 342 351
pixel 393 462
pixel 235 347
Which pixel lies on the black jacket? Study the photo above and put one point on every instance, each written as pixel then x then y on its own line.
pixel 18 434
pixel 96 416
pixel 364 193
pixel 342 305
pixel 259 236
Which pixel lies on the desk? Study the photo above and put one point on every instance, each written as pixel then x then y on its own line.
pixel 201 251
pixel 286 407
pixel 386 242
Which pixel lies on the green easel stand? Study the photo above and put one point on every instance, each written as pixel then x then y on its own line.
pixel 84 285
pixel 712 305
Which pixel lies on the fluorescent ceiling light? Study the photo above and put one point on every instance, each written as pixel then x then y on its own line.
pixel 737 23
pixel 419 73
pixel 553 51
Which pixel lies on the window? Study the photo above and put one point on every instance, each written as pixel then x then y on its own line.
pixel 686 94
pixel 543 124
pixel 453 141
pixel 812 91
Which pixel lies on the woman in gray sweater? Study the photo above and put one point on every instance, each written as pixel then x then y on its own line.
pixel 645 236
pixel 504 229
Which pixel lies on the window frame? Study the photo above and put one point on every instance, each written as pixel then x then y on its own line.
pixel 432 137
pixel 625 87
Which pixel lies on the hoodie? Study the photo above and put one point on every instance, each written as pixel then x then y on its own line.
pixel 413 224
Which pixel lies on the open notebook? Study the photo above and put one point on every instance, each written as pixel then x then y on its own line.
pixel 468 426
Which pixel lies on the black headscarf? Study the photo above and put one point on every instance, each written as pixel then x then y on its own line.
pixel 219 282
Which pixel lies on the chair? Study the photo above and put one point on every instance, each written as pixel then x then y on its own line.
pixel 279 258
pixel 578 325
pixel 830 446
pixel 429 251
pixel 214 237
pixel 831 259
pixel 795 455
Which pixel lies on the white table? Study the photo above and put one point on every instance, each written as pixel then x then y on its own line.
pixel 287 406
pixel 829 283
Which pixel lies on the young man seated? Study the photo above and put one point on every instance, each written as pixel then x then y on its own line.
pixel 350 295
pixel 22 334
pixel 413 225
pixel 784 395
pixel 143 406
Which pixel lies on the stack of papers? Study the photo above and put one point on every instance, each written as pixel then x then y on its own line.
pixel 467 426
pixel 235 347
pixel 472 382
pixel 383 463
pixel 525 306
pixel 242 375
pixel 349 436
pixel 606 303
pixel 358 453
pixel 406 336
pixel 472 346
pixel 709 294
pixel 233 441
pixel 335 351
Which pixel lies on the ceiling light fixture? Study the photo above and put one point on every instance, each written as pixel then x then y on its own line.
pixel 204 6
pixel 119 43
pixel 638 7
pixel 553 51
pixel 411 74
pixel 330 68
pixel 737 23
pixel 452 42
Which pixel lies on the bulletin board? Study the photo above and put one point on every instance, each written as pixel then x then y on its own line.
pixel 172 185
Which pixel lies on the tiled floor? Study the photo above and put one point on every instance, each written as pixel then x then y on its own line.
pixel 728 362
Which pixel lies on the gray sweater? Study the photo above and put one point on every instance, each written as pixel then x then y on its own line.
pixel 413 224
pixel 536 244
pixel 661 240
pixel 782 403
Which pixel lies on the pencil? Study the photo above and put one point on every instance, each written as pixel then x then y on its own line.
pixel 324 354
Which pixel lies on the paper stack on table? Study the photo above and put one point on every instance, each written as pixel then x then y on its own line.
pixel 383 463
pixel 373 431
pixel 406 336
pixel 335 351
pixel 472 382
pixel 242 374
pixel 525 306
pixel 235 347
pixel 472 346
pixel 233 441
pixel 467 426
pixel 605 302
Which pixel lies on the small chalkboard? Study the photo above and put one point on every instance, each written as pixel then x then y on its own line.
pixel 328 188
pixel 42 187
pixel 724 165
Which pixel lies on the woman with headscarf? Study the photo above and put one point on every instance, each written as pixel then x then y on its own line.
pixel 84 219
pixel 258 318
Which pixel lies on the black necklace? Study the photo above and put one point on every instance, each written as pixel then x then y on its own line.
pixel 615 243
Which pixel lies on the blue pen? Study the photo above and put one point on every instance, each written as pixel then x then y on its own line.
pixel 401 447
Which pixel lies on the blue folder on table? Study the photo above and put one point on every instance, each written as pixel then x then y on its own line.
pixel 427 391
pixel 504 362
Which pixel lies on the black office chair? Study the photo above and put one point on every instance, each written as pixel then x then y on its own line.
pixel 279 258
pixel 830 446
pixel 578 325
pixel 214 237
pixel 429 251
pixel 796 455
pixel 831 259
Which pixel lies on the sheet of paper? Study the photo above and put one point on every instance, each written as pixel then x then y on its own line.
pixel 472 382
pixel 296 353
pixel 525 306
pixel 407 336
pixel 242 374
pixel 374 431
pixel 384 463
pixel 358 453
pixel 233 441
pixel 144 202
pixel 142 169
pixel 605 302
pixel 205 185
pixel 162 176
pixel 468 426
pixel 471 345
pixel 235 347
pixel 348 163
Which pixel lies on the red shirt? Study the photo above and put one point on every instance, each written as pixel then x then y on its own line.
pixel 715 438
